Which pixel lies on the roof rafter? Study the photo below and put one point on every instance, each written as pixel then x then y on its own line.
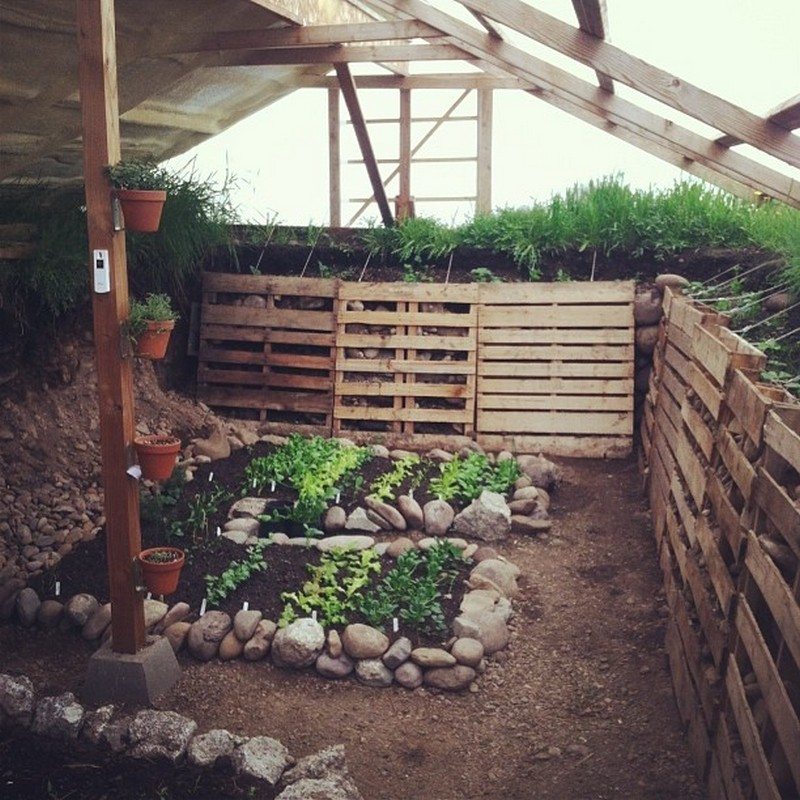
pixel 644 77
pixel 593 19
pixel 344 54
pixel 787 115
pixel 612 112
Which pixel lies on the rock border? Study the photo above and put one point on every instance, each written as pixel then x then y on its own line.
pixel 150 733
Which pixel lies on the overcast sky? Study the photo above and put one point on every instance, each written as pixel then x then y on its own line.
pixel 744 50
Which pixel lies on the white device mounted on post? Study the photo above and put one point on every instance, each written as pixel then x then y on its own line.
pixel 102 271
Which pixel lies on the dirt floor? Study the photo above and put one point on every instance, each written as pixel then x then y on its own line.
pixel 580 706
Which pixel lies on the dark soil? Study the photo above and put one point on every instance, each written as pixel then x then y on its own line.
pixel 77 773
pixel 585 673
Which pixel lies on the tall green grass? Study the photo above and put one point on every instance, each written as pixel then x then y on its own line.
pixel 610 218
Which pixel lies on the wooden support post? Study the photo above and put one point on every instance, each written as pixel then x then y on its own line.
pixel 483 204
pixel 334 158
pixel 97 79
pixel 348 88
pixel 403 206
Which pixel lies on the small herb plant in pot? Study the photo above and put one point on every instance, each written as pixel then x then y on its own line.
pixel 141 187
pixel 157 455
pixel 150 324
pixel 161 568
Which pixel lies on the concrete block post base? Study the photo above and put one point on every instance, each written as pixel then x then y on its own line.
pixel 134 679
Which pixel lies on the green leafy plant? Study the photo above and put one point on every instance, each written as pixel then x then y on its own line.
pixel 335 587
pixel 153 507
pixel 218 587
pixel 143 173
pixel 465 478
pixel 202 507
pixel 154 308
pixel 382 488
pixel 484 275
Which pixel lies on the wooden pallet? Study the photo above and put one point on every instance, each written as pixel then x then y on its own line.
pixel 555 368
pixel 405 361
pixel 267 346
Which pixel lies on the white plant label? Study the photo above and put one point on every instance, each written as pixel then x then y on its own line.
pixel 314 615
pixel 58 588
pixel 245 606
pixel 203 607
pixel 219 531
pixel 211 476
pixel 395 624
pixel 254 483
pixel 338 497
pixel 411 493
pixel 271 486
pixel 149 596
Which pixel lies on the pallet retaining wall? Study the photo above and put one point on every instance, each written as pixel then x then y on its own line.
pixel 526 366
pixel 721 454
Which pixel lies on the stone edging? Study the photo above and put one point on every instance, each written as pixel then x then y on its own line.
pixel 150 734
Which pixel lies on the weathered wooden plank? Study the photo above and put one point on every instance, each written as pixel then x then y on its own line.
pixel 274 379
pixel 748 733
pixel 692 470
pixel 486 402
pixel 778 596
pixel 402 318
pixel 291 319
pixel 687 516
pixel 710 396
pixel 390 389
pixel 597 369
pixel 575 446
pixel 688 314
pixel 559 422
pixel 556 352
pixel 562 316
pixel 402 414
pixel 231 333
pixel 678 361
pixel 235 283
pixel 740 469
pixel 698 428
pixel 715 564
pixel 556 336
pixel 235 397
pixel 723 747
pixel 559 386
pixel 772 499
pixel 719 351
pixel 418 292
pixel 726 515
pixel 406 342
pixel 782 714
pixel 405 366
pixel 679 340
pixel 715 629
pixel 595 293
pixel 782 439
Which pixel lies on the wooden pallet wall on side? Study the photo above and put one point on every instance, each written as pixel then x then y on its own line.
pixel 267 345
pixel 405 362
pixel 555 368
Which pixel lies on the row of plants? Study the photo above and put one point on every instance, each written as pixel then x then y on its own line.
pixel 464 478
pixel 343 587
pixel 238 572
pixel 386 484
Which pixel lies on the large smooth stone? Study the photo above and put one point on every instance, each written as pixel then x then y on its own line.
pixel 79 608
pixel 487 518
pixel 206 634
pixel 373 672
pixel 395 519
pixel 468 652
pixel 363 641
pixel 411 511
pixel 330 667
pixel 398 653
pixel 298 644
pixel 359 521
pixel 345 542
pixel 428 657
pixel 408 675
pixel 258 645
pixel 245 622
pixel 438 517
pixel 451 679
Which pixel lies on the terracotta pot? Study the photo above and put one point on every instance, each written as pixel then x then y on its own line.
pixel 161 577
pixel 157 455
pixel 153 340
pixel 142 208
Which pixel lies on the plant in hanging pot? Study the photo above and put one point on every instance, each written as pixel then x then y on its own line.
pixel 161 568
pixel 150 325
pixel 141 187
pixel 157 455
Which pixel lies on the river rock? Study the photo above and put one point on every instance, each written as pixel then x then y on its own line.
pixel 363 641
pixel 345 542
pixel 80 608
pixel 245 622
pixel 529 526
pixel 154 612
pixel 379 451
pixel 298 644
pixel 671 280
pixel 438 516
pixel 388 512
pixel 334 520
pixel 439 455
pixel 16 698
pixel 258 645
pixel 334 666
pixel 398 653
pixel 486 518
pixel 325 764
pixel 502 574
pixel 779 301
pixel 96 626
pixel 177 613
pixel 261 758
pixel 206 634
pixel 487 627
pixel 248 507
pixel 646 338
pixel 468 652
pixel 647 308
pixel 214 447
pixel 521 507
pixel 451 679
pixel 542 472
pixel 206 749
pixel 95 723
pixel 160 734
pixel 50 613
pixel 28 604
pixel 399 546
pixel 59 717
pixel 230 647
pixel 527 493
pixel 359 521
pixel 427 657
pixel 373 672
pixel 479 600
pixel 336 788
pixel 408 675
pixel 239 530
pixel 177 633
pixel 483 553
pixel 411 511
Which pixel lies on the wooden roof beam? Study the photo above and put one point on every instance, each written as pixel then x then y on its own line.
pixel 265 38
pixel 466 80
pixel 348 54
pixel 612 112
pixel 486 24
pixel 593 19
pixel 787 115
pixel 644 77
pixel 350 95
